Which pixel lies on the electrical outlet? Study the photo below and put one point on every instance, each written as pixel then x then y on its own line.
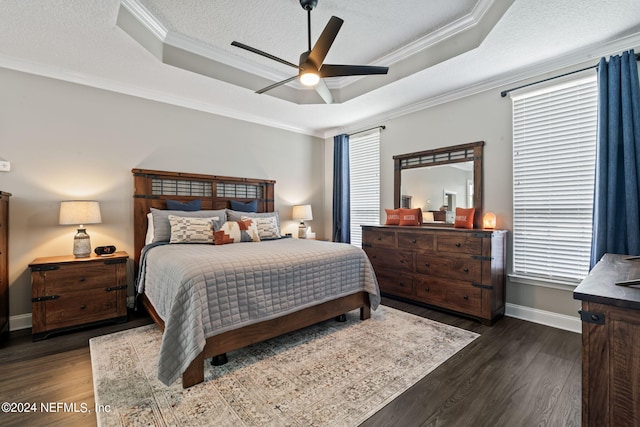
pixel 5 166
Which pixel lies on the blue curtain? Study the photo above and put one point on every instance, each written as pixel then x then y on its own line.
pixel 616 212
pixel 341 200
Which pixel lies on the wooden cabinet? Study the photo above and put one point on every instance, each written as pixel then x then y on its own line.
pixel 68 292
pixel 610 343
pixel 4 265
pixel 454 269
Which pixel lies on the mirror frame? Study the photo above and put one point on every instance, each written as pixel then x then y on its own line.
pixel 443 156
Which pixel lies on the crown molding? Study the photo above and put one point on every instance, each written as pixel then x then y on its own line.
pixel 577 58
pixel 177 40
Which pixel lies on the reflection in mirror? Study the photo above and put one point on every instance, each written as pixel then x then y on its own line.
pixel 441 180
pixel 438 189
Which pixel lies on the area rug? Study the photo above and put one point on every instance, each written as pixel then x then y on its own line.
pixel 330 374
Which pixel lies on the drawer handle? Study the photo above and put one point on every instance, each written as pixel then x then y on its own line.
pixel 82 307
pixel 82 279
pixel 426 289
pixel 458 245
pixel 466 297
pixel 466 270
pixel 379 237
pixel 426 264
pixel 401 261
pixel 374 256
pixel 414 241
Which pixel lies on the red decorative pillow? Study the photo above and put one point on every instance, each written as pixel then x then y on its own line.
pixel 410 216
pixel 393 216
pixel 464 218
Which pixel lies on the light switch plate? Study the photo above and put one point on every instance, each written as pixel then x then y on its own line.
pixel 5 166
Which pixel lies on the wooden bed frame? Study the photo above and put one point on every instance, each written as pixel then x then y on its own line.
pixel 152 188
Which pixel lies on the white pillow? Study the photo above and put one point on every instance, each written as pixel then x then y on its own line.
pixel 149 238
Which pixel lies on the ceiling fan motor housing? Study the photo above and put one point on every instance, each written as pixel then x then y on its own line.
pixel 308 4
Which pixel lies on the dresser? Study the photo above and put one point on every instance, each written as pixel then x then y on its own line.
pixel 69 292
pixel 459 270
pixel 4 265
pixel 610 343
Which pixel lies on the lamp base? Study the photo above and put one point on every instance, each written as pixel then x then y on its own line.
pixel 302 231
pixel 81 244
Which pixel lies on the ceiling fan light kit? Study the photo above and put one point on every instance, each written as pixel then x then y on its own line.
pixel 311 66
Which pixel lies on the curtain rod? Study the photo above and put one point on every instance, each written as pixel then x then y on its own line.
pixel 506 92
pixel 383 127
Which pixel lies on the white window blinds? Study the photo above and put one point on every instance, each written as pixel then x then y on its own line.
pixel 364 165
pixel 554 137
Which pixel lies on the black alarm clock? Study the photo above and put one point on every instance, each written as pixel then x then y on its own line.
pixel 105 250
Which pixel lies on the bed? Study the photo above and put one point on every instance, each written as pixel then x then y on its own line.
pixel 212 299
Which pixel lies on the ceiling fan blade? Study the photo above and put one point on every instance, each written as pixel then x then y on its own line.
pixel 263 90
pixel 265 54
pixel 324 92
pixel 324 42
pixel 329 70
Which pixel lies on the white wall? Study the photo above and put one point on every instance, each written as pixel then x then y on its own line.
pixel 67 141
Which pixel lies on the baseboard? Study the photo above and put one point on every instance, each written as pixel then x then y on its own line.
pixel 21 321
pixel 548 318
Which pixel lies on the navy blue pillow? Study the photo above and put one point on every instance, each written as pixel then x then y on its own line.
pixel 174 205
pixel 251 206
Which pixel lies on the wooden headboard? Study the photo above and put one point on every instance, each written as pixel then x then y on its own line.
pixel 152 188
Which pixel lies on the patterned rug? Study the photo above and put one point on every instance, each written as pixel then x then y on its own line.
pixel 333 374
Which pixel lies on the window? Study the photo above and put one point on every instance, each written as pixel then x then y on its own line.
pixel 554 150
pixel 364 170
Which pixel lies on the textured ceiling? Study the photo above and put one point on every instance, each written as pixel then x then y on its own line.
pixel 81 41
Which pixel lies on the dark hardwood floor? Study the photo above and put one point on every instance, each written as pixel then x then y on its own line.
pixel 515 374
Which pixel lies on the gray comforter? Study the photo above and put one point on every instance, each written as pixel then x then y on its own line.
pixel 204 290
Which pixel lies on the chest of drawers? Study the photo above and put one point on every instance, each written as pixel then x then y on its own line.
pixel 458 270
pixel 68 292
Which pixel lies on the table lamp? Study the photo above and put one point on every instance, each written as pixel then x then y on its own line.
pixel 302 212
pixel 80 212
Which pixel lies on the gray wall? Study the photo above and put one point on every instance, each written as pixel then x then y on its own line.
pixel 67 141
pixel 481 117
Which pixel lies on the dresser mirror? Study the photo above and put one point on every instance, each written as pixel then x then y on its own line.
pixel 440 180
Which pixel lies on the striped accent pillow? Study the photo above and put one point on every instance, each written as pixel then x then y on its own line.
pixel 267 227
pixel 191 230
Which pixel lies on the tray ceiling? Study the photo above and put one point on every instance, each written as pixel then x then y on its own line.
pixel 180 52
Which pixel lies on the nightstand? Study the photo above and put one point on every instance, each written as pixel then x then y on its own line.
pixel 69 292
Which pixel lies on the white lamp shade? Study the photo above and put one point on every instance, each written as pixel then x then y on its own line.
pixel 79 212
pixel 302 212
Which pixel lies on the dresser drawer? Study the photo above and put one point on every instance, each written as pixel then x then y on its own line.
pixel 461 268
pixel 393 283
pixel 460 243
pixel 390 260
pixel 451 294
pixel 422 241
pixel 84 307
pixel 373 238
pixel 72 278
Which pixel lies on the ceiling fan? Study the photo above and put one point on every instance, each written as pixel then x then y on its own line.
pixel 311 66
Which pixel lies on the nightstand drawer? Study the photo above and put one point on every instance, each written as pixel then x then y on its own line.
pixel 67 292
pixel 72 278
pixel 88 306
